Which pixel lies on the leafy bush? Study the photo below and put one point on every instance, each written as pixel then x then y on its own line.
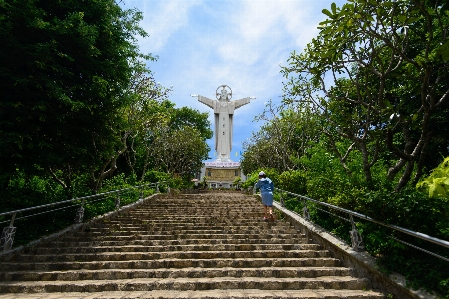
pixel 24 191
pixel 253 177
pixel 411 208
pixel 437 182
pixel 294 181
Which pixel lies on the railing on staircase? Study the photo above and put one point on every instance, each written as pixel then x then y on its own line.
pixel 356 237
pixel 8 233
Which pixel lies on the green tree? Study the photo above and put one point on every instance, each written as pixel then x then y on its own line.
pixel 437 182
pixel 64 68
pixel 147 114
pixel 282 140
pixel 186 116
pixel 376 74
pixel 180 151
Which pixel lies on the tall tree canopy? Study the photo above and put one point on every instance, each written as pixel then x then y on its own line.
pixel 64 69
pixel 377 76
pixel 282 140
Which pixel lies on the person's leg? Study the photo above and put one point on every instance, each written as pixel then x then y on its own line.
pixel 265 212
pixel 271 213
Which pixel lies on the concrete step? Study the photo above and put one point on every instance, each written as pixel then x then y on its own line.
pixel 209 221
pixel 184 284
pixel 114 274
pixel 210 294
pixel 171 263
pixel 174 235
pixel 122 256
pixel 192 246
pixel 163 248
pixel 77 243
pixel 167 227
pixel 187 233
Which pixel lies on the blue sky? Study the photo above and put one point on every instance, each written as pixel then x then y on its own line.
pixel 240 43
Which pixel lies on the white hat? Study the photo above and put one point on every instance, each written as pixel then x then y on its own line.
pixel 261 173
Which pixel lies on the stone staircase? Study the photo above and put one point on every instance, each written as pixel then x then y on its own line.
pixel 212 245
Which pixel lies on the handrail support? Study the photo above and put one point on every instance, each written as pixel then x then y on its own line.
pixel 117 201
pixel 8 234
pixel 356 237
pixel 305 211
pixel 80 213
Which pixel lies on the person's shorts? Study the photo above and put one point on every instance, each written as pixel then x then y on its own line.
pixel 267 199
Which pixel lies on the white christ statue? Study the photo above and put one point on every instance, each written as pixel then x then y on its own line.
pixel 224 112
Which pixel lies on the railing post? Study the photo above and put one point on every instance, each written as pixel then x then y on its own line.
pixel 8 234
pixel 80 213
pixel 157 188
pixel 305 211
pixel 356 237
pixel 141 194
pixel 168 190
pixel 117 201
pixel 281 200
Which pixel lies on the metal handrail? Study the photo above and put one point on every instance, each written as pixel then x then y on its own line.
pixel 76 199
pixel 361 216
pixel 8 233
pixel 28 216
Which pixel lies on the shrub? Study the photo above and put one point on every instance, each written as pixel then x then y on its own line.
pixel 294 181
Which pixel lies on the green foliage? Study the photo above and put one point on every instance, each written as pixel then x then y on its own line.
pixel 437 182
pixel 294 181
pixel 328 181
pixel 376 56
pixel 64 66
pixel 253 177
pixel 237 182
pixel 154 176
pixel 186 116
pixel 180 151
pixel 281 140
pixel 374 82
pixel 119 181
pixel 37 191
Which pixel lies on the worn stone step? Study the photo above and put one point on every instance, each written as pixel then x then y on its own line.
pixel 183 284
pixel 188 246
pixel 182 230
pixel 166 227
pixel 209 208
pixel 121 256
pixel 114 274
pixel 191 230
pixel 183 248
pixel 173 220
pixel 77 243
pixel 210 294
pixel 199 216
pixel 198 221
pixel 212 223
pixel 114 232
pixel 171 263
pixel 199 235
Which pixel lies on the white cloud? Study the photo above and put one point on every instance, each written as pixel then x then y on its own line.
pixel 162 19
pixel 204 44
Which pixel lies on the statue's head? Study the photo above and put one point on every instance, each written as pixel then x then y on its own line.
pixel 225 94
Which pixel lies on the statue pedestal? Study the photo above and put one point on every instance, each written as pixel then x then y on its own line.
pixel 221 174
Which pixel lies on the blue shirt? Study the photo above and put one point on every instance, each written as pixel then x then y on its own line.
pixel 265 185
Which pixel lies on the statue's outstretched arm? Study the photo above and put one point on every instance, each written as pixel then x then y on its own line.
pixel 206 101
pixel 241 102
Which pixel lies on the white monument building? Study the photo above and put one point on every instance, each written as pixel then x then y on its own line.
pixel 223 171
